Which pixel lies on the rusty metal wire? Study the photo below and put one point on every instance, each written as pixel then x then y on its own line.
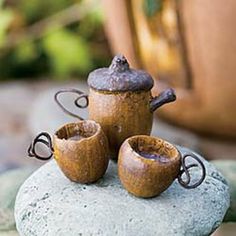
pixel 48 142
pixel 185 169
pixel 76 102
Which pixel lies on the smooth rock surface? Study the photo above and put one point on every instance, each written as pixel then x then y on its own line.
pixel 10 183
pixel 46 115
pixel 228 168
pixel 49 204
pixel 9 233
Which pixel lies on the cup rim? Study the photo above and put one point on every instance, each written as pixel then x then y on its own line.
pixel 137 155
pixel 98 126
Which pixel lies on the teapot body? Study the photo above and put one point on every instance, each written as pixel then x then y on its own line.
pixel 121 115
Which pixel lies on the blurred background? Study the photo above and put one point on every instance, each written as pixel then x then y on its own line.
pixel 188 45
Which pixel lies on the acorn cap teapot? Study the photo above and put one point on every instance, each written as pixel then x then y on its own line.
pixel 120 100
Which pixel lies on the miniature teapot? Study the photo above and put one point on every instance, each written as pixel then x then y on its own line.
pixel 120 100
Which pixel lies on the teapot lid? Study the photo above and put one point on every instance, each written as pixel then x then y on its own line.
pixel 119 77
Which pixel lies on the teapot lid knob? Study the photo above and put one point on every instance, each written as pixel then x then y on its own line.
pixel 119 63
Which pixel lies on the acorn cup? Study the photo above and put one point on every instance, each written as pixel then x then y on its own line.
pixel 80 149
pixel 147 166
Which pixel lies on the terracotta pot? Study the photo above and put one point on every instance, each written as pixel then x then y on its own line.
pixel 187 46
pixel 147 166
pixel 80 149
pixel 120 100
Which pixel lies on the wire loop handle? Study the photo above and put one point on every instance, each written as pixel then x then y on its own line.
pixel 185 169
pixel 48 142
pixel 76 102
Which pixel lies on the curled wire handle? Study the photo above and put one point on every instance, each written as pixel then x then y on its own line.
pixel 185 169
pixel 76 102
pixel 39 139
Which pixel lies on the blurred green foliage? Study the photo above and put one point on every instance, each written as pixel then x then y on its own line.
pixel 6 17
pixel 151 7
pixel 35 10
pixel 68 54
pixel 46 37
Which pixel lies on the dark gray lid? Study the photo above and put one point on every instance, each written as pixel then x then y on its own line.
pixel 119 77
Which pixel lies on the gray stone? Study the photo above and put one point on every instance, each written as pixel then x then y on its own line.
pixel 228 168
pixel 47 116
pixel 15 101
pixel 10 183
pixel 10 233
pixel 49 204
pixel 175 134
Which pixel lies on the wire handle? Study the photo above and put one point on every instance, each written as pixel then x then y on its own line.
pixel 38 139
pixel 185 169
pixel 76 102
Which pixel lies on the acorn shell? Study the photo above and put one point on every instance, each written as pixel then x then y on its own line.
pixel 84 160
pixel 119 77
pixel 147 177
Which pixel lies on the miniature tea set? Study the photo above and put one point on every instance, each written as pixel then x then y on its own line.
pixel 121 110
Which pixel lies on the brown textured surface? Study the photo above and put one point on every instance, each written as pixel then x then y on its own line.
pixel 206 96
pixel 226 229
pixel 120 77
pixel 116 13
pixel 209 107
pixel 85 160
pixel 121 115
pixel 144 177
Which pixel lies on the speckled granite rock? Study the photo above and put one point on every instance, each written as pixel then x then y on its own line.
pixel 10 183
pixel 49 204
pixel 228 168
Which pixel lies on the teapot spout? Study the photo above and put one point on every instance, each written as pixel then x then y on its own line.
pixel 164 97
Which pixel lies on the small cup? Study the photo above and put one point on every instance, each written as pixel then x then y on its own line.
pixel 147 166
pixel 80 149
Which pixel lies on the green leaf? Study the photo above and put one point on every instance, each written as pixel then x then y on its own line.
pixel 6 17
pixel 34 10
pixel 151 7
pixel 96 16
pixel 25 52
pixel 68 52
